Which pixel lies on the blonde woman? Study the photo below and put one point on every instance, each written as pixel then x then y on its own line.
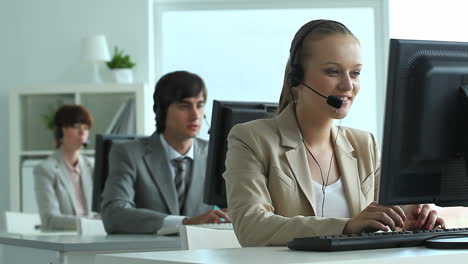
pixel 299 175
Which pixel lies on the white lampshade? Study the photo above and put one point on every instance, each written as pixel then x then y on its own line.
pixel 95 49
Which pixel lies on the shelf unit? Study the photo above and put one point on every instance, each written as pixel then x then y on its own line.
pixel 31 139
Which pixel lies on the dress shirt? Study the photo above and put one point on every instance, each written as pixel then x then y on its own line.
pixel 173 221
pixel 75 177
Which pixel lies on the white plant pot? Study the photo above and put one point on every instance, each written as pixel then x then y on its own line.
pixel 123 75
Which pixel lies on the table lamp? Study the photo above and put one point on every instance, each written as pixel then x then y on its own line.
pixel 95 51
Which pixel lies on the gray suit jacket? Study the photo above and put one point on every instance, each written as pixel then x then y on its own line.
pixel 55 195
pixel 139 192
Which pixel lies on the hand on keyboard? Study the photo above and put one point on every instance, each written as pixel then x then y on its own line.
pixel 376 217
pixel 422 217
pixel 212 216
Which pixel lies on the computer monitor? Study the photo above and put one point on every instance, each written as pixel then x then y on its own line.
pixel 104 143
pixel 424 154
pixel 224 116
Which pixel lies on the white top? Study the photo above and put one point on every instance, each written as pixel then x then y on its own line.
pixel 75 177
pixel 335 200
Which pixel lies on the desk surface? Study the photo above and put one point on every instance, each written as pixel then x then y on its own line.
pixel 271 255
pixel 63 242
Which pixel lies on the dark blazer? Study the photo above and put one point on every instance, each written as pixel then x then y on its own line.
pixel 140 192
pixel 55 196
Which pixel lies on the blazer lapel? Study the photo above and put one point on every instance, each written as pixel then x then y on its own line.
pixel 298 163
pixel 197 182
pixel 86 184
pixel 63 176
pixel 296 156
pixel 347 164
pixel 158 168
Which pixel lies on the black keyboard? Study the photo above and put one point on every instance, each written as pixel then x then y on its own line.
pixel 371 240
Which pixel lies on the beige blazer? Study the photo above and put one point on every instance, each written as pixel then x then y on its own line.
pixel 269 188
pixel 55 195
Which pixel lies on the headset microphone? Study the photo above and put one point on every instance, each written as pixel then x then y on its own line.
pixel 296 73
pixel 296 77
pixel 332 100
pixel 208 124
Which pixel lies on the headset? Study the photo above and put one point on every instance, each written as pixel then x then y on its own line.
pixel 295 77
pixel 296 73
pixel 158 112
pixel 207 123
pixel 58 132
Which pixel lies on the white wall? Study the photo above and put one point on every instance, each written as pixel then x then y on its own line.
pixel 40 44
pixel 241 53
pixel 429 19
pixel 4 44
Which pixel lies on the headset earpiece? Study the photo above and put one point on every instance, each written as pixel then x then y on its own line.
pixel 296 75
pixel 59 132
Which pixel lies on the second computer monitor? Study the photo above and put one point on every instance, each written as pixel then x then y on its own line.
pixel 104 144
pixel 425 150
pixel 224 116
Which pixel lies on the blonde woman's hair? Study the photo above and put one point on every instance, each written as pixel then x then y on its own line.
pixel 313 30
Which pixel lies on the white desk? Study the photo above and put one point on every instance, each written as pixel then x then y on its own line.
pixel 71 249
pixel 272 255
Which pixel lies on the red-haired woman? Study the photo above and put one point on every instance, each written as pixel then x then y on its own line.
pixel 63 182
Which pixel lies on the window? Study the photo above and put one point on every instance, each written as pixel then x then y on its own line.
pixel 241 52
pixel 428 19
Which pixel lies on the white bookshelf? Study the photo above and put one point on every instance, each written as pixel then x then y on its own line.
pixel 31 139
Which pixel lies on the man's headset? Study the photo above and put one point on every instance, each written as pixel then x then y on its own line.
pixel 158 111
pixel 58 132
pixel 296 73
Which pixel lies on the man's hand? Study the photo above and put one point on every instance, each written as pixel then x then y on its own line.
pixel 212 216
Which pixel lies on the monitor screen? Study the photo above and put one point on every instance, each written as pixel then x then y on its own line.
pixel 424 153
pixel 224 116
pixel 104 143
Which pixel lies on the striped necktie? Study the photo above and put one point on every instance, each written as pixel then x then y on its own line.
pixel 180 181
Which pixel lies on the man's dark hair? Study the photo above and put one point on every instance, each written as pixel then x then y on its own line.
pixel 172 88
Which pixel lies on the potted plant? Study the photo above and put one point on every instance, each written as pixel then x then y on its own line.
pixel 121 66
pixel 48 118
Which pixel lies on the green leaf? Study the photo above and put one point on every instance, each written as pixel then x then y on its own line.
pixel 120 60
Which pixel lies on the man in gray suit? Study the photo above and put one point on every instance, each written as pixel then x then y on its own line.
pixel 157 183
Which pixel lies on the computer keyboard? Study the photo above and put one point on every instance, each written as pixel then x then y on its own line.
pixel 371 240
